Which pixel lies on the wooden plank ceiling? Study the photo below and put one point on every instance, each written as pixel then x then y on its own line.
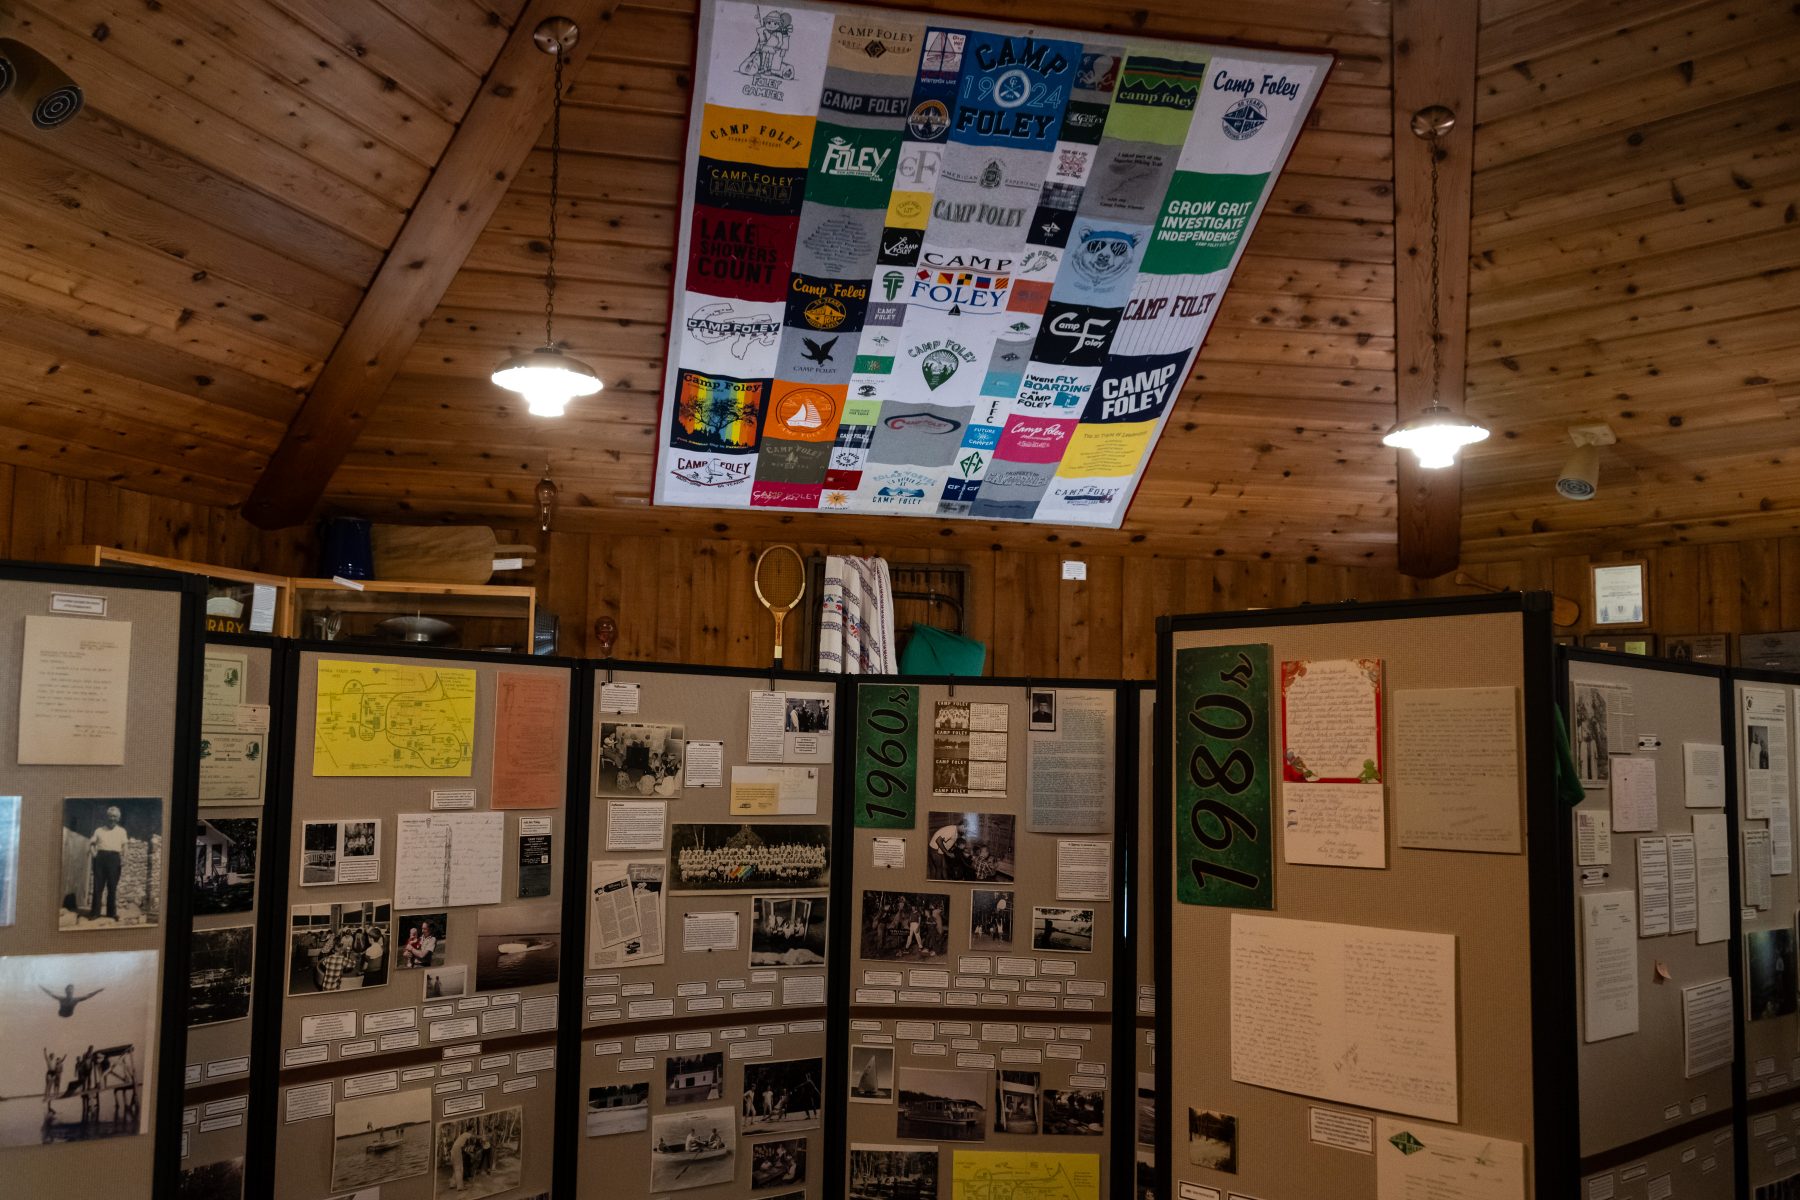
pixel 1633 256
pixel 176 264
pixel 1280 424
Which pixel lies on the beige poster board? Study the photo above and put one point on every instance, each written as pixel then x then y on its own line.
pixel 703 1023
pixel 383 1074
pixel 1013 1033
pixel 1282 1143
pixel 1636 1086
pixel 119 968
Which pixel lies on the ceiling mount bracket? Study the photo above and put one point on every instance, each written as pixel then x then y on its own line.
pixel 556 35
pixel 1433 122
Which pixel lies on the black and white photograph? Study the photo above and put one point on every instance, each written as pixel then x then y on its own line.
pixel 480 1155
pixel 444 982
pixel 780 1163
pixel 783 1095
pixel 1075 1111
pixel 517 945
pixel 1212 1140
pixel 1015 1101
pixel 969 847
pixel 1143 1180
pixel 339 947
pixel 787 931
pixel 639 760
pixel 946 1106
pixel 213 1181
pixel 618 1108
pixel 990 920
pixel 738 856
pixel 80 1034
pixel 1056 927
pixel 225 865
pixel 905 926
pixel 808 714
pixel 378 1139
pixel 694 1148
pixel 693 1078
pixel 423 940
pixel 872 1074
pixel 112 863
pixel 220 962
pixel 1757 754
pixel 1043 711
pixel 1588 733
pixel 333 852
pixel 9 858
pixel 1146 1108
pixel 887 1172
pixel 1770 970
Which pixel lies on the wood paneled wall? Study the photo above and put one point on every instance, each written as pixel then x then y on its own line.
pixel 42 515
pixel 690 599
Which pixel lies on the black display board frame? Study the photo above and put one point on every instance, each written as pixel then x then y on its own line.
pixel 263 1119
pixel 1553 991
pixel 1567 658
pixel 171 1050
pixel 1747 1107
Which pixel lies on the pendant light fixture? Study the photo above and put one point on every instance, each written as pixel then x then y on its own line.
pixel 546 377
pixel 1435 435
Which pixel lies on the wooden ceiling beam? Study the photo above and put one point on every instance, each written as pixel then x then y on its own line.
pixel 1434 64
pixel 477 166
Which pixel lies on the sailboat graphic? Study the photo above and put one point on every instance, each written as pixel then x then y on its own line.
pixel 807 416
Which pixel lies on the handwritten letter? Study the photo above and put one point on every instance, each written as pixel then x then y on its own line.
pixel 1456 769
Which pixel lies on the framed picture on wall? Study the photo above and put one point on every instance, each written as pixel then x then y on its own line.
pixel 1770 651
pixel 1622 643
pixel 1621 595
pixel 1714 648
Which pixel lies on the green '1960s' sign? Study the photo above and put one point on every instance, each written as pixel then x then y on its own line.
pixel 887 756
pixel 1224 836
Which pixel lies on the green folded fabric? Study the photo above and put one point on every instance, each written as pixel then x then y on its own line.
pixel 1568 778
pixel 934 651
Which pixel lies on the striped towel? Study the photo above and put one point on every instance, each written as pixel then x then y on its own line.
pixel 856 618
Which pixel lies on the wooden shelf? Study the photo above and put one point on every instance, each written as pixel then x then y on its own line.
pixel 220 580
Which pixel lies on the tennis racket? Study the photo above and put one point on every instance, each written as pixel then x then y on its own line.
pixel 780 582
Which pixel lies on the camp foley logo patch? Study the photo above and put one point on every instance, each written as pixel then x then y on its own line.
pixel 766 67
pixel 1245 119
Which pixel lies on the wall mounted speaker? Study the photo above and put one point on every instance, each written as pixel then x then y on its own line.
pixel 38 85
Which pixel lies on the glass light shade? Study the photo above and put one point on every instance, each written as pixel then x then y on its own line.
pixel 548 379
pixel 1435 435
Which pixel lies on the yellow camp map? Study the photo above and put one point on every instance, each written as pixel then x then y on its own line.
pixel 393 719
pixel 1006 1175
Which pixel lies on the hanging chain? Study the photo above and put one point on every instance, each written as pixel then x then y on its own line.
pixel 1436 328
pixel 555 183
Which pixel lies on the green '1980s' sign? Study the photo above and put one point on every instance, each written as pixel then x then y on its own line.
pixel 1224 835
pixel 887 756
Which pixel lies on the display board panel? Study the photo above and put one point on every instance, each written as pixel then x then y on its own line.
pixel 1699 1167
pixel 1343 1029
pixel 1639 731
pixel 424 923
pixel 237 727
pixel 986 911
pixel 97 673
pixel 1766 894
pixel 712 858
